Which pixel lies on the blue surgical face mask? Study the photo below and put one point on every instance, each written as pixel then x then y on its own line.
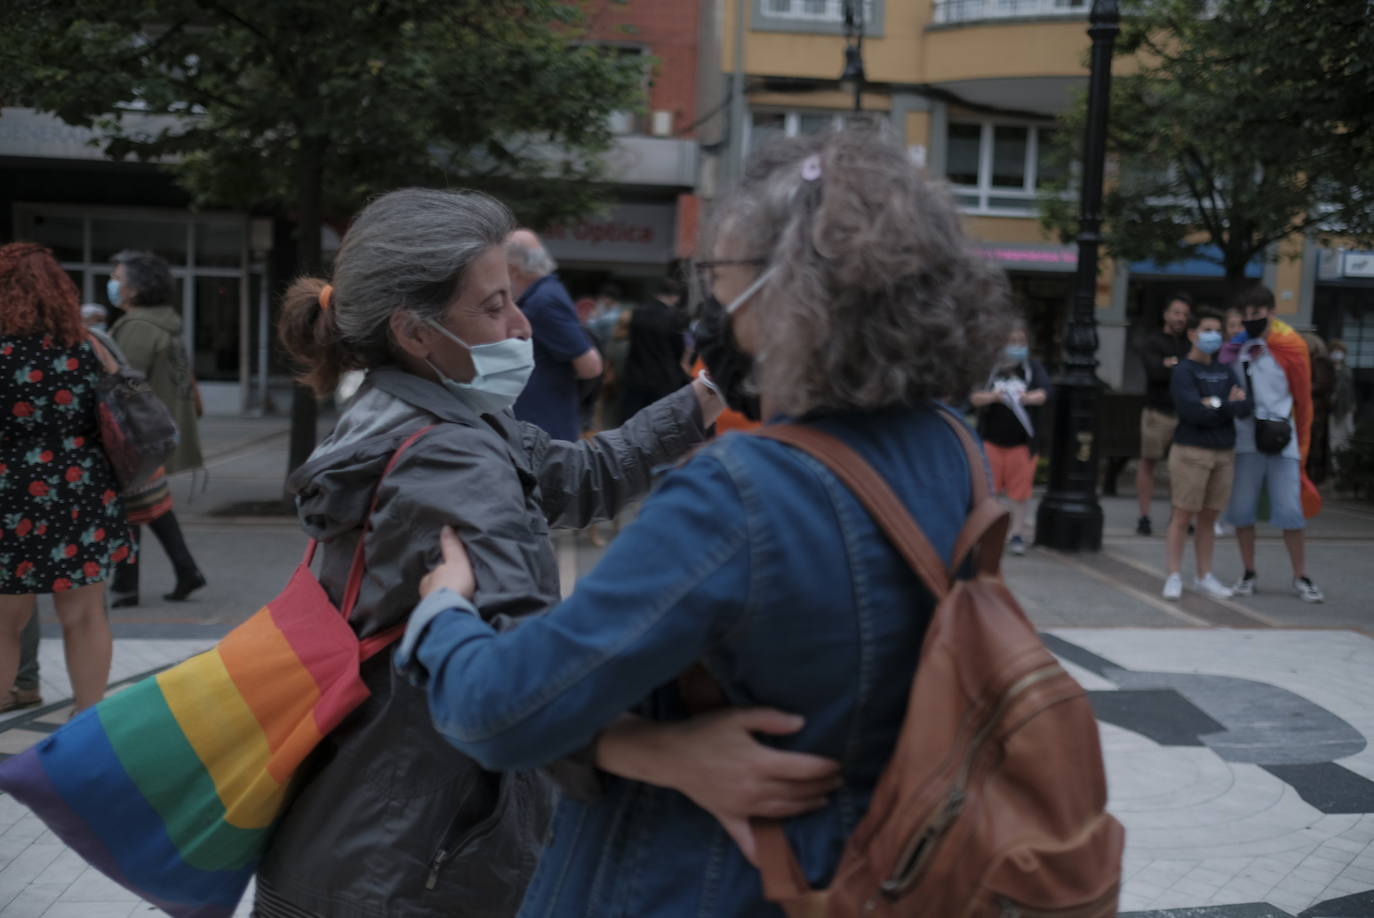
pixel 1017 353
pixel 1209 342
pixel 112 291
pixel 502 369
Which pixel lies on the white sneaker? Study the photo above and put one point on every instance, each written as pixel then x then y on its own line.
pixel 1245 586
pixel 1213 587
pixel 1173 587
pixel 1307 590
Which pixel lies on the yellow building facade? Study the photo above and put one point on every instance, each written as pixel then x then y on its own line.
pixel 974 86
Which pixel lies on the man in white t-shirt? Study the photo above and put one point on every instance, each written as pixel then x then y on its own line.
pixel 1264 461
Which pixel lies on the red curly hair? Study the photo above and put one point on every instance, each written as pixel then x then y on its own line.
pixel 36 295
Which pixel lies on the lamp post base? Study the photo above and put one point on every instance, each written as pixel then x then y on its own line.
pixel 1069 523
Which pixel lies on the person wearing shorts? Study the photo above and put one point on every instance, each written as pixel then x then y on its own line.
pixel 1208 398
pixel 1273 361
pixel 1160 353
pixel 1009 422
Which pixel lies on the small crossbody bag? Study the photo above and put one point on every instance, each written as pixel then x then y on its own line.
pixel 1270 436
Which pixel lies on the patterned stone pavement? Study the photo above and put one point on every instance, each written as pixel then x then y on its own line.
pixel 1238 761
pixel 1240 765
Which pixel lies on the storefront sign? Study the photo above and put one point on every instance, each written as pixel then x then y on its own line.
pixel 1032 257
pixel 633 233
pixel 1358 264
pixel 1205 262
pixel 28 133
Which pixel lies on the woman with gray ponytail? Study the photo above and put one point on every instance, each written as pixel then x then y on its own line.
pixel 390 820
pixel 841 293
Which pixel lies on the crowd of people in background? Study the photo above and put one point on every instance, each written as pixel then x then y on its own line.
pixel 1242 406
pixel 1217 385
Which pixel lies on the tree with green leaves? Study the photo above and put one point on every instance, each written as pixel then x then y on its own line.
pixel 1237 123
pixel 305 107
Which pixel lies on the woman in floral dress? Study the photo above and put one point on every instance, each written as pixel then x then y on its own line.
pixel 62 527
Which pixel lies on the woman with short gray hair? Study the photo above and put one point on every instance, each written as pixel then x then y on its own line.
pixel 843 276
pixel 150 337
pixel 390 820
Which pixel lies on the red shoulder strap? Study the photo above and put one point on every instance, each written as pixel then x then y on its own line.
pixel 370 645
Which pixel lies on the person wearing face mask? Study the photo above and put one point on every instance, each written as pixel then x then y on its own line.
pixel 390 821
pixel 1209 399
pixel 1272 444
pixel 150 336
pixel 1009 410
pixel 827 274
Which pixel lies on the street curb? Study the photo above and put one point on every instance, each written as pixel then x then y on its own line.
pixel 27 720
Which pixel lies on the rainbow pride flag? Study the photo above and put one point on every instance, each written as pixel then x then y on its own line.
pixel 171 786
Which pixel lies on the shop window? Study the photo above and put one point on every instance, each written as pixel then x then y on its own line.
pixel 205 254
pixel 996 168
pixel 1357 331
pixel 110 236
pixel 64 235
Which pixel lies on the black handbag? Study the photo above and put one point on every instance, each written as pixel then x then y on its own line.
pixel 1270 436
pixel 137 432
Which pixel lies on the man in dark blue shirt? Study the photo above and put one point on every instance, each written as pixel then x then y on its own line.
pixel 563 353
pixel 1208 398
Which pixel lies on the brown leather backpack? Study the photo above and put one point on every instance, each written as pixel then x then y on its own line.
pixel 993 803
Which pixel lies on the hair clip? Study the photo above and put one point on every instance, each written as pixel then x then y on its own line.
pixel 326 295
pixel 811 168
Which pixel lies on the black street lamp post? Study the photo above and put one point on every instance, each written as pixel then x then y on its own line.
pixel 1070 518
pixel 853 75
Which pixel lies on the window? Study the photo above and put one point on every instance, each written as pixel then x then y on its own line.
pixel 957 11
pixel 997 168
pixel 767 126
pixel 207 255
pixel 1357 330
pixel 818 10
pixel 814 16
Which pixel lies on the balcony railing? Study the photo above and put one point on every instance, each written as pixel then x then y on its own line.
pixel 819 11
pixel 952 11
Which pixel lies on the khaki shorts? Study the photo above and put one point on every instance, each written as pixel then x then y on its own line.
pixel 1156 433
pixel 1199 478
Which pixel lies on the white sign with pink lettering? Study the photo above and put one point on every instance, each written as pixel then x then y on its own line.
pixel 633 233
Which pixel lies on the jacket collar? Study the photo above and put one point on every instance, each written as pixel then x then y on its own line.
pixel 436 400
pixel 529 291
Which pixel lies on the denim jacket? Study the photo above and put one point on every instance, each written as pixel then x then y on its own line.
pixel 754 559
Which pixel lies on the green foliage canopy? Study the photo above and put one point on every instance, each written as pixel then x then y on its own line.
pixel 301 105
pixel 1247 121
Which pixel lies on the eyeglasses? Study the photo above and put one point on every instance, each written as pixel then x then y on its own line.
pixel 705 270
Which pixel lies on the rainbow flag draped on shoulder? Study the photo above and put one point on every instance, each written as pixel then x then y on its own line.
pixel 171 787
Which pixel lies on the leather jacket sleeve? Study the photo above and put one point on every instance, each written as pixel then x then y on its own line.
pixel 593 479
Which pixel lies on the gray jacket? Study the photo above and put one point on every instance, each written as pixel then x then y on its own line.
pixel 390 821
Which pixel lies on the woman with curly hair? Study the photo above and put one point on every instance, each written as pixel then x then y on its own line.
pixel 846 279
pixel 62 526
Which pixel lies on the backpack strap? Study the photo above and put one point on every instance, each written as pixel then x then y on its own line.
pixel 874 493
pixel 373 644
pixel 985 530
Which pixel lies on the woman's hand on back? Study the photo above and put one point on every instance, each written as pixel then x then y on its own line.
pixel 454 571
pixel 714 760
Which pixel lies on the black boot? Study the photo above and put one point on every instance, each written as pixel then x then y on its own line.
pixel 189 577
pixel 124 583
pixel 186 585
